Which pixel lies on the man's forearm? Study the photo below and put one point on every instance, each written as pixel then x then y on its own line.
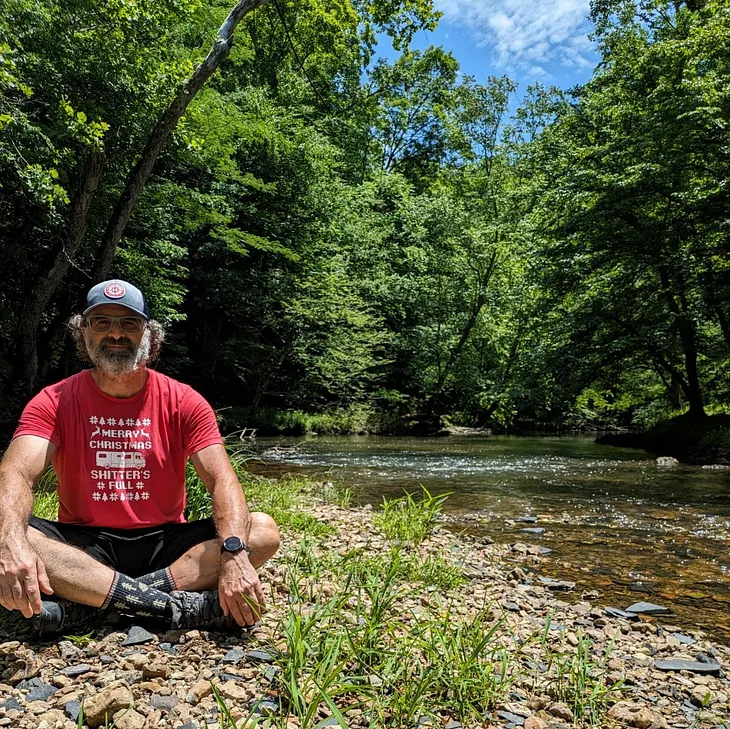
pixel 16 502
pixel 230 511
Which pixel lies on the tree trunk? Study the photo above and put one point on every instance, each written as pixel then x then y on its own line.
pixel 140 173
pixel 688 338
pixel 45 289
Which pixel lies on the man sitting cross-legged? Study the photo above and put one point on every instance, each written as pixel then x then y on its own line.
pixel 119 436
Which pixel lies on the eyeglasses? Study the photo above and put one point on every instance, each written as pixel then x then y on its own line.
pixel 104 324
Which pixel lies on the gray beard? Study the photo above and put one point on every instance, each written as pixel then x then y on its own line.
pixel 119 364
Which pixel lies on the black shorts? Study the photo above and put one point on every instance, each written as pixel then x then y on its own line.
pixel 133 552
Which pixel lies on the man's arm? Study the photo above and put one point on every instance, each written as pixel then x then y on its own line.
pixel 238 584
pixel 22 573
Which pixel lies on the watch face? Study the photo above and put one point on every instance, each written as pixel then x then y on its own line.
pixel 233 544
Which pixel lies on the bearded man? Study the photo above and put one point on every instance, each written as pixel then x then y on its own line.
pixel 119 436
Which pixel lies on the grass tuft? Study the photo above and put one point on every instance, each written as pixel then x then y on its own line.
pixel 409 519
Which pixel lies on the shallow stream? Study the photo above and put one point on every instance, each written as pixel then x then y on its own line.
pixel 617 523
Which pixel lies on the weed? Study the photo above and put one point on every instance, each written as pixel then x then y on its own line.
pixel 580 682
pixel 80 640
pixel 409 519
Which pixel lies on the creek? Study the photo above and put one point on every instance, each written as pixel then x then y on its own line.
pixel 617 523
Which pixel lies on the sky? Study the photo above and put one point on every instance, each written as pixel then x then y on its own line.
pixel 527 40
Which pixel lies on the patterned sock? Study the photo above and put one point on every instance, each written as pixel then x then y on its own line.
pixel 132 596
pixel 161 580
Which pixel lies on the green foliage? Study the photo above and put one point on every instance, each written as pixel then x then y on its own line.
pixel 580 681
pixel 408 518
pixel 342 245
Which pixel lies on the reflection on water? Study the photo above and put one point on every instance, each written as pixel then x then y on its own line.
pixel 616 522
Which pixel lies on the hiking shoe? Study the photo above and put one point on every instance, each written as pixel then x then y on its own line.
pixel 59 615
pixel 199 610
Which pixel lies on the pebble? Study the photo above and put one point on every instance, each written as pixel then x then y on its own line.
pixel 684 639
pixel 137 635
pixel 511 718
pixel 259 656
pixel 41 692
pixel 72 709
pixel 164 703
pixel 233 657
pixel 79 670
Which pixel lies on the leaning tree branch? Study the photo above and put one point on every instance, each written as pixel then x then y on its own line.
pixel 140 173
pixel 43 291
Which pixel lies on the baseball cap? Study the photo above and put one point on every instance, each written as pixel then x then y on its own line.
pixel 120 292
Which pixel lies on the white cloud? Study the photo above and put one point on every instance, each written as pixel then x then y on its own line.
pixel 526 34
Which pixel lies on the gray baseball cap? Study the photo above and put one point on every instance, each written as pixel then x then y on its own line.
pixel 117 292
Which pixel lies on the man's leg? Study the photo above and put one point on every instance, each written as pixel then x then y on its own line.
pixel 78 577
pixel 74 574
pixel 197 569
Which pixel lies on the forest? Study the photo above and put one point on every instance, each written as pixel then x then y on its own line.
pixel 339 238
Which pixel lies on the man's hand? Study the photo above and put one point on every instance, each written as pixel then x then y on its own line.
pixel 239 589
pixel 22 576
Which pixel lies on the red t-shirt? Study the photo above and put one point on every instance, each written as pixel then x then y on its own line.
pixel 120 462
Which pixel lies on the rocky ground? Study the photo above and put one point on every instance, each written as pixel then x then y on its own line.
pixel 132 678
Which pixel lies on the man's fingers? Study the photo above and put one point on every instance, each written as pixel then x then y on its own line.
pixel 6 597
pixel 11 602
pixel 236 611
pixel 33 594
pixel 43 581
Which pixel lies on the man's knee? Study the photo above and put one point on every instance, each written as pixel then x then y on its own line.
pixel 264 537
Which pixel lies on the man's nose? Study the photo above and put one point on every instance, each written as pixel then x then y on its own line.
pixel 116 330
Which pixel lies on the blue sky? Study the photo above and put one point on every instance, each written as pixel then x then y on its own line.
pixel 527 40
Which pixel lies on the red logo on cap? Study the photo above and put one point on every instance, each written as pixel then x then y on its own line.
pixel 114 291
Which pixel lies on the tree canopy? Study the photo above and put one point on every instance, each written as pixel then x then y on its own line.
pixel 321 228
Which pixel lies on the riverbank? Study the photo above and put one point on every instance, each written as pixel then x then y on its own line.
pixel 697 442
pixel 382 619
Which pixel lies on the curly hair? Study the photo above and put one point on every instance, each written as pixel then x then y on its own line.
pixel 78 321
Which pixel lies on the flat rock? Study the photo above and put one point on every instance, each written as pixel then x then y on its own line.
pixel 265 707
pixel 12 704
pixel 100 708
pixel 137 635
pixel 163 703
pixel 72 710
pixel 233 657
pixel 527 519
pixel 641 717
pixel 533 530
pixel 553 584
pixel 40 693
pixel 647 608
pixel 78 670
pixel 259 656
pixel 128 719
pixel 511 718
pixel 617 613
pixel 679 664
pixel 684 639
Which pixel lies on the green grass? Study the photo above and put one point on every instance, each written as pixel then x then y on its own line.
pixel 410 519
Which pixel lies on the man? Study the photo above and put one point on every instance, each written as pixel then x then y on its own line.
pixel 119 436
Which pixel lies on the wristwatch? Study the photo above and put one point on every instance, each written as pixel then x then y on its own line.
pixel 233 545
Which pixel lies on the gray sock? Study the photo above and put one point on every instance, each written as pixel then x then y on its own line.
pixel 160 579
pixel 132 596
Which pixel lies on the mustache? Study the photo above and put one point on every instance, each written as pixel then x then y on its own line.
pixel 121 341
